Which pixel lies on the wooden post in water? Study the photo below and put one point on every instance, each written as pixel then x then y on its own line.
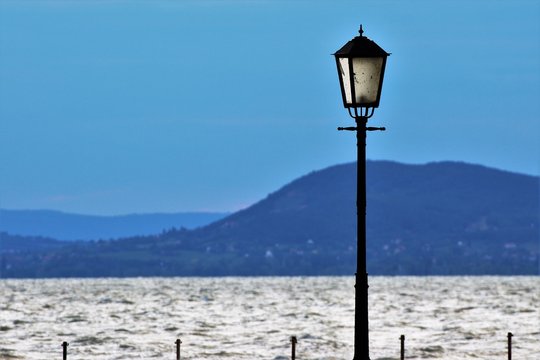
pixel 178 342
pixel 64 350
pixel 510 345
pixel 293 347
pixel 402 338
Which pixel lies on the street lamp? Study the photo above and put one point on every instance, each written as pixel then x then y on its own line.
pixel 360 64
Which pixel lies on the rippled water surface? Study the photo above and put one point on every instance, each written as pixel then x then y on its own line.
pixel 253 318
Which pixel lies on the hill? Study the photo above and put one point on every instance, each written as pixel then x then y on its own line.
pixel 438 218
pixel 65 226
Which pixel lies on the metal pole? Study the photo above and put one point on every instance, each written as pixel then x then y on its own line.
pixel 510 345
pixel 64 350
pixel 402 338
pixel 293 347
pixel 361 321
pixel 178 342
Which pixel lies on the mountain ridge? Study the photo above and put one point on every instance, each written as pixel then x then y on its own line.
pixel 71 226
pixel 444 218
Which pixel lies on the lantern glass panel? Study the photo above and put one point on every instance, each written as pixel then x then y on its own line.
pixel 367 75
pixel 346 78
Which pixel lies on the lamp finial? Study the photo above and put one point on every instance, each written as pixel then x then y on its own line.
pixel 361 31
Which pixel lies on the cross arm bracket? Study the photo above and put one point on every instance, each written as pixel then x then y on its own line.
pixel 354 128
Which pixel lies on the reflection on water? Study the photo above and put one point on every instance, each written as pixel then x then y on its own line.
pixel 252 318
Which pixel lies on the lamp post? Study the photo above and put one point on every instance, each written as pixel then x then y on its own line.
pixel 360 64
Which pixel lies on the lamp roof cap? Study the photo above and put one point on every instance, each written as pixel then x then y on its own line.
pixel 361 46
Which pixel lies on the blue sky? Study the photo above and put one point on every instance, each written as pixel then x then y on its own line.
pixel 114 107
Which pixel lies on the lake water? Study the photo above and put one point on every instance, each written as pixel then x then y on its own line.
pixel 253 318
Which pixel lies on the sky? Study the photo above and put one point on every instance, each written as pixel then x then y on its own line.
pixel 119 107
